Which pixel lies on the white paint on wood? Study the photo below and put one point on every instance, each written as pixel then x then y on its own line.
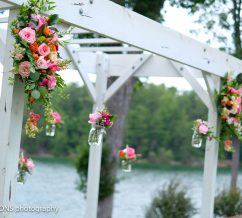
pixel 78 64
pixel 144 33
pixel 3 19
pixel 185 72
pixel 5 6
pixel 109 49
pixel 210 165
pixel 93 41
pixel 11 108
pixel 95 153
pixel 142 60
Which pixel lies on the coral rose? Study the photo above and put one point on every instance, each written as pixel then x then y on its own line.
pixel 28 35
pixel 228 145
pixel 57 117
pixel 24 69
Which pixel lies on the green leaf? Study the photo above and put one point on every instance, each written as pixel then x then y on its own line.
pixel 41 39
pixel 35 94
pixel 34 76
pixel 53 19
pixel 43 91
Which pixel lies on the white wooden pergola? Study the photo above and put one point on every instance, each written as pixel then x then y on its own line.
pixel 140 47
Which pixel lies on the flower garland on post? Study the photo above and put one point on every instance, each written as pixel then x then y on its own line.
pixel 36 60
pixel 229 107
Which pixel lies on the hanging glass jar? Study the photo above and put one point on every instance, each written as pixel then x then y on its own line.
pixel 21 177
pixel 50 130
pixel 126 166
pixel 196 140
pixel 96 135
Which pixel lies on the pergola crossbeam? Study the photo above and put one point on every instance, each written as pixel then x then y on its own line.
pixel 129 73
pixel 184 71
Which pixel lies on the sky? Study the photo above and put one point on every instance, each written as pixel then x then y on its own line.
pixel 183 25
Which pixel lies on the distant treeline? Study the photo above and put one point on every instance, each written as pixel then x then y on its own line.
pixel 159 124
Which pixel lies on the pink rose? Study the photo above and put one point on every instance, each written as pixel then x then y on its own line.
pixel 51 82
pixel 43 49
pixel 57 117
pixel 41 21
pixel 233 90
pixel 28 35
pixel 203 129
pixel 42 63
pixel 18 57
pixel 130 153
pixel 30 164
pixel 53 67
pixel 94 117
pixel 24 69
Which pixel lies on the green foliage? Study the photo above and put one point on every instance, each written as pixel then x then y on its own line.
pixel 228 203
pixel 107 179
pixel 171 202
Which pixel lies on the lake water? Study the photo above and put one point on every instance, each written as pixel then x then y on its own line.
pixel 55 185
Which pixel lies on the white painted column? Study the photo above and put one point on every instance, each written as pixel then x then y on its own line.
pixel 211 161
pixel 95 153
pixel 11 114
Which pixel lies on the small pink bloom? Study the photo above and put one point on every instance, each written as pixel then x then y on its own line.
pixel 93 118
pixel 57 117
pixel 51 82
pixel 41 21
pixel 43 49
pixel 44 82
pixel 53 67
pixel 233 90
pixel 30 164
pixel 28 35
pixel 55 38
pixel 53 57
pixel 130 153
pixel 203 129
pixel 18 57
pixel 42 63
pixel 24 69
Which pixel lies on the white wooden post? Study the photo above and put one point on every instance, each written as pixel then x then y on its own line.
pixel 11 114
pixel 210 162
pixel 95 153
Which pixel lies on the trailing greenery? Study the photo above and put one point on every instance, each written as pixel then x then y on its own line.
pixel 228 203
pixel 170 202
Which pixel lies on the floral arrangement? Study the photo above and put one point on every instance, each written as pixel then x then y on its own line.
pixel 100 120
pixel 36 60
pixel 202 132
pixel 229 107
pixel 128 156
pixel 25 165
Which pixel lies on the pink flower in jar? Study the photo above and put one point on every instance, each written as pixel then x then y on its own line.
pixel 203 129
pixel 43 49
pixel 57 117
pixel 24 69
pixel 30 164
pixel 130 153
pixel 42 63
pixel 93 118
pixel 51 82
pixel 28 35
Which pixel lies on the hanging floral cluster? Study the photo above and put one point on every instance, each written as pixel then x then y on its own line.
pixel 36 60
pixel 128 157
pixel 201 132
pixel 100 121
pixel 25 165
pixel 229 105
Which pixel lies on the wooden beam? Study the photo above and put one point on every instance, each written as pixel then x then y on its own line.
pixel 6 6
pixel 3 19
pixel 93 41
pixel 184 71
pixel 78 65
pixel 109 49
pixel 142 60
pixel 131 28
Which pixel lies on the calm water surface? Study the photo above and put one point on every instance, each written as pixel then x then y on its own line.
pixel 55 185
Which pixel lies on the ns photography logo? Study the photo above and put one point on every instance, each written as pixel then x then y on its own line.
pixel 28 209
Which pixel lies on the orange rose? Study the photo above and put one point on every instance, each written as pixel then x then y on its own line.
pixel 34 47
pixel 16 31
pixel 52 46
pixel 46 31
pixel 121 153
pixel 228 145
pixel 35 56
